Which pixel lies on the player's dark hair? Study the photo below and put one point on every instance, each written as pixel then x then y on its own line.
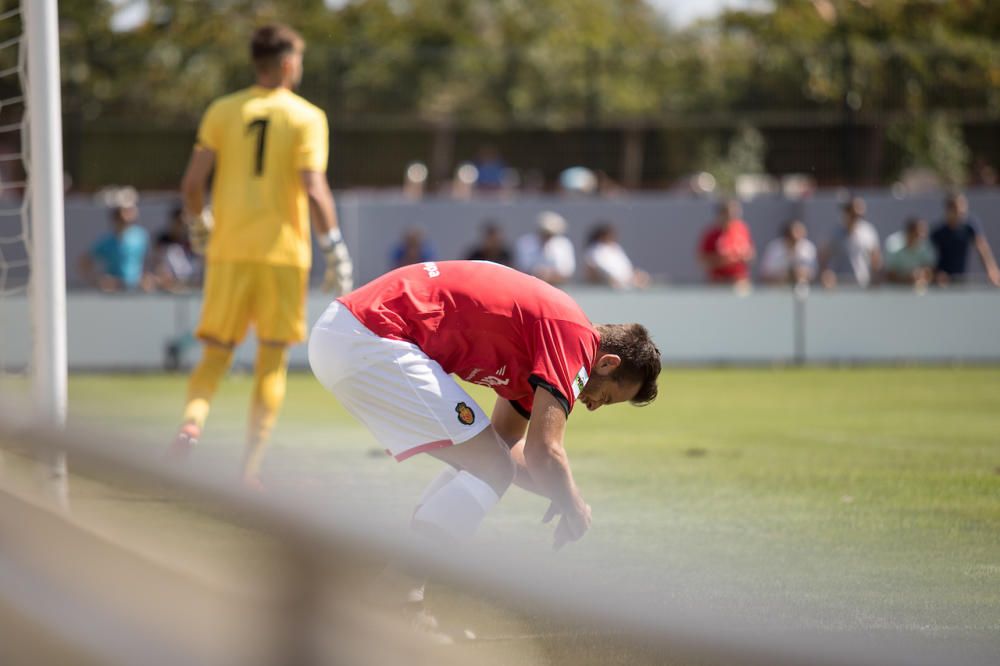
pixel 270 43
pixel 639 354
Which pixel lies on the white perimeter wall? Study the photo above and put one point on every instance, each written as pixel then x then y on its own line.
pixel 691 325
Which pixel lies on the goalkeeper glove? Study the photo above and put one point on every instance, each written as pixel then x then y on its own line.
pixel 339 269
pixel 199 229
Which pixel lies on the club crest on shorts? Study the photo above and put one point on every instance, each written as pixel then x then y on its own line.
pixel 465 414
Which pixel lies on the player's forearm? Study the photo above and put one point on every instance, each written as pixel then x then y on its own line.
pixel 986 255
pixel 322 211
pixel 522 476
pixel 193 197
pixel 548 468
pixel 195 180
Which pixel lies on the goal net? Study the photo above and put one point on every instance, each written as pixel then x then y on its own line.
pixel 14 251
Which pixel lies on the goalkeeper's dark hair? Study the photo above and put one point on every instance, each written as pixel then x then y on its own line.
pixel 639 354
pixel 270 43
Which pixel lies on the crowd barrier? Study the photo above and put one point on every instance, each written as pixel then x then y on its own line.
pixel 148 332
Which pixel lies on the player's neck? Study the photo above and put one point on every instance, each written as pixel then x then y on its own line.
pixel 272 82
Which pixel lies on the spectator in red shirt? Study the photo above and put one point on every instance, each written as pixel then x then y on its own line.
pixel 726 248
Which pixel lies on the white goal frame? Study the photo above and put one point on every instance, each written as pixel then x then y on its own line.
pixel 47 287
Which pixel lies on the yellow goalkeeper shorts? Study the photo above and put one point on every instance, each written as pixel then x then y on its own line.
pixel 236 294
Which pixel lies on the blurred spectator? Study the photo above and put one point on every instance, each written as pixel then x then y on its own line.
pixel 492 246
pixel 464 180
pixel 490 169
pixel 415 180
pixel 412 248
pixel 852 254
pixel 547 253
pixel 172 266
pixel 952 238
pixel 909 257
pixel 605 261
pixel 726 248
pixel 789 258
pixel 983 175
pixel 116 260
pixel 578 180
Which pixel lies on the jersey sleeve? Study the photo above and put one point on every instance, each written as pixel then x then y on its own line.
pixel 210 129
pixel 101 247
pixel 563 355
pixel 314 146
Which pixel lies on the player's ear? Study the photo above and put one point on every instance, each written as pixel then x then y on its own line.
pixel 607 363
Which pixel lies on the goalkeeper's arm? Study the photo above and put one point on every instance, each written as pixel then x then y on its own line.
pixel 193 185
pixel 339 270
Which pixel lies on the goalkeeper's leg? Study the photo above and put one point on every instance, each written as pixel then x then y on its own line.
pixel 270 374
pixel 202 385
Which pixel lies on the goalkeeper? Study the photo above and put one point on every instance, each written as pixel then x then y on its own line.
pixel 268 147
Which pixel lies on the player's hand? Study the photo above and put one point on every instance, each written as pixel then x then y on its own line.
pixel 994 276
pixel 339 274
pixel 572 525
pixel 199 229
pixel 828 279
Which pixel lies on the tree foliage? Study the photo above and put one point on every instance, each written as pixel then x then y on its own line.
pixel 551 62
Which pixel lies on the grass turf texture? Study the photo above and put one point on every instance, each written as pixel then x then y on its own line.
pixel 853 499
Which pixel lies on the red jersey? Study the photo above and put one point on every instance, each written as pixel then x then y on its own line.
pixel 733 241
pixel 486 323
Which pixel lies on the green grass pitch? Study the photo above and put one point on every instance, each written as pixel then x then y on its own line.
pixel 869 496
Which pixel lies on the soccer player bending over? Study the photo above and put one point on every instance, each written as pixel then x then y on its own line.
pixel 268 147
pixel 387 351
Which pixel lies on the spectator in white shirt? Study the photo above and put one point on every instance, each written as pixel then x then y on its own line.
pixel 789 258
pixel 605 261
pixel 853 253
pixel 547 253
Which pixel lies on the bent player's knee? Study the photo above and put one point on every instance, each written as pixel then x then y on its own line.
pixel 500 469
pixel 484 456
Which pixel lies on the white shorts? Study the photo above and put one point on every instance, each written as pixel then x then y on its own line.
pixel 405 397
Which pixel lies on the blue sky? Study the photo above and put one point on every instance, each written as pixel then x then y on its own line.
pixel 680 12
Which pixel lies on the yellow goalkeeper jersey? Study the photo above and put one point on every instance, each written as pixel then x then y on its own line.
pixel 263 139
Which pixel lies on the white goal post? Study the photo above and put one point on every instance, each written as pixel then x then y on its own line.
pixel 48 269
pixel 41 147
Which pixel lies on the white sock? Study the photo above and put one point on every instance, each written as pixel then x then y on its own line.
pixel 416 593
pixel 446 475
pixel 458 506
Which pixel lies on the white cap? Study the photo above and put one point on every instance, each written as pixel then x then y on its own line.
pixel 552 223
pixel 119 197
